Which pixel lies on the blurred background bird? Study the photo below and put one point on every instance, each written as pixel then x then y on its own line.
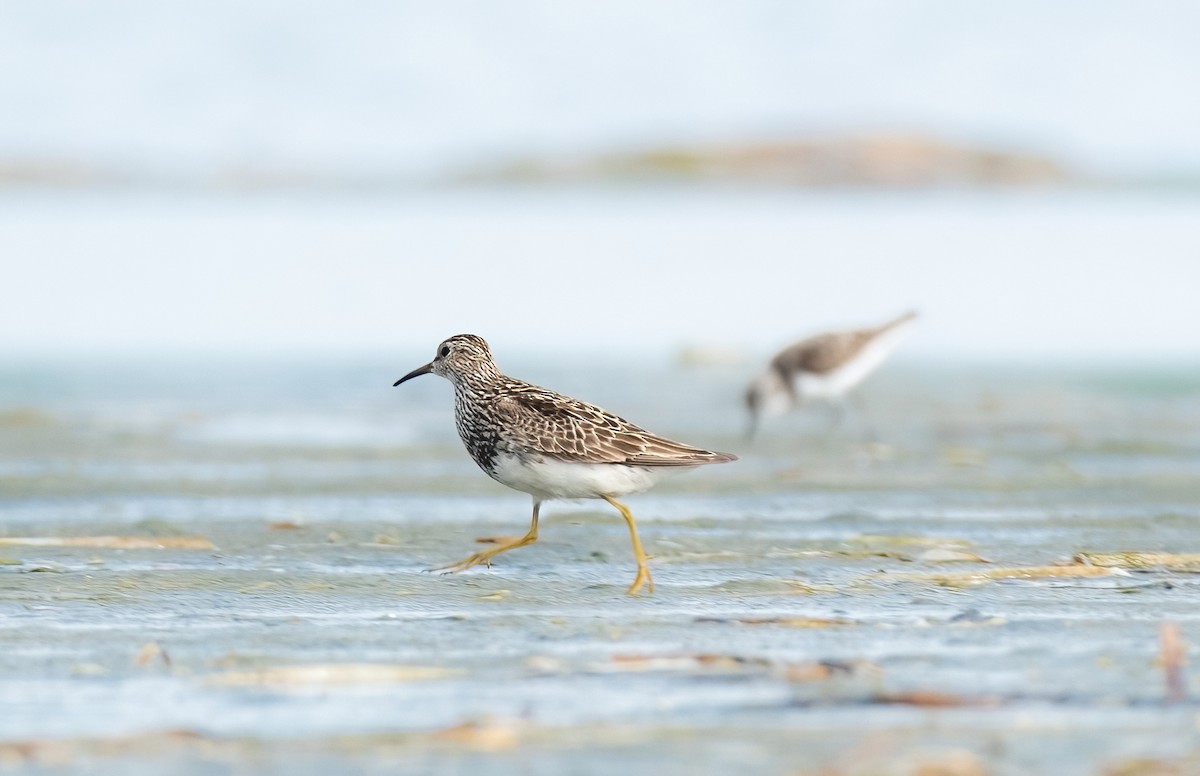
pixel 826 367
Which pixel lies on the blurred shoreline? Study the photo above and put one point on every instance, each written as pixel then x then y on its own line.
pixel 881 160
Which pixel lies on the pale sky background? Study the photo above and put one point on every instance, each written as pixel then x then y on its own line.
pixel 184 91
pixel 408 84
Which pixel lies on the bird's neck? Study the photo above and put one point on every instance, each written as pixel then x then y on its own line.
pixel 478 383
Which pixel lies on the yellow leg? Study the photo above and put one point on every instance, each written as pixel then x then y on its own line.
pixel 485 557
pixel 643 572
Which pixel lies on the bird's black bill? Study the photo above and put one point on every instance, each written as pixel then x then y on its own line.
pixel 421 370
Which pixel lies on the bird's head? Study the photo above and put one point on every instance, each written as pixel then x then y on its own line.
pixel 461 358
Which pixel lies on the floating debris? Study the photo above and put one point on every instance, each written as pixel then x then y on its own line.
pixel 699 662
pixel 933 698
pixel 59 752
pixel 964 457
pixel 950 763
pixel 25 417
pixel 486 735
pixel 330 674
pixel 113 542
pixel 800 587
pixel 710 663
pixel 950 555
pixel 692 556
pixel 984 576
pixel 969 617
pixel 1155 767
pixel 1167 561
pixel 150 652
pixel 875 540
pixel 787 621
pixel 1173 657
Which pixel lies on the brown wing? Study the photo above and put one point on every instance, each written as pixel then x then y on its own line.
pixel 823 353
pixel 570 430
pixel 826 352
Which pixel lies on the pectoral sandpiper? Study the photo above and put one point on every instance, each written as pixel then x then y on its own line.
pixel 826 366
pixel 551 446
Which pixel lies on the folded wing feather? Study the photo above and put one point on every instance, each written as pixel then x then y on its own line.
pixel 570 430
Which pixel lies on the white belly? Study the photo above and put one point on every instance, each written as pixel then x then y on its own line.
pixel 549 478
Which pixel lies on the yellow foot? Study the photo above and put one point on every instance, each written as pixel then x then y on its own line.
pixel 642 579
pixel 503 544
pixel 484 557
pixel 478 559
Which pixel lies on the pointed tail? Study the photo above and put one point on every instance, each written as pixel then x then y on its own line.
pixel 897 322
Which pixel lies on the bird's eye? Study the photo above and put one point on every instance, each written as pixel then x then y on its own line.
pixel 445 351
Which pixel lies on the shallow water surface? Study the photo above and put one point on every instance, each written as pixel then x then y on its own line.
pixel 820 604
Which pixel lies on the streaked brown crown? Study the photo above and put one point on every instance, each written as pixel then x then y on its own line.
pixel 465 358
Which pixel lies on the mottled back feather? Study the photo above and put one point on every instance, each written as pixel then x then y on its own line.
pixel 567 429
pixel 822 354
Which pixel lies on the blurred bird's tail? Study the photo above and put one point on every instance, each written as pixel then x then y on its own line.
pixel 896 323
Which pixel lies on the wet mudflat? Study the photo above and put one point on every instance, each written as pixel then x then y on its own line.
pixel 218 576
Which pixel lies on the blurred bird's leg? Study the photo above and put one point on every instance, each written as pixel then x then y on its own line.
pixel 872 438
pixel 752 428
pixel 485 556
pixel 643 572
pixel 835 410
